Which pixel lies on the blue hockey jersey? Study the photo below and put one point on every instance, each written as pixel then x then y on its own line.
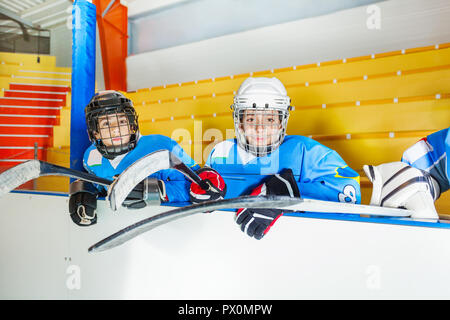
pixel 430 154
pixel 319 171
pixel 177 186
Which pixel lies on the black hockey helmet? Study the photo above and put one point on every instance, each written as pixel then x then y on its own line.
pixel 111 103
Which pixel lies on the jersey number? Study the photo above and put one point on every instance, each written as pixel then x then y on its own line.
pixel 348 194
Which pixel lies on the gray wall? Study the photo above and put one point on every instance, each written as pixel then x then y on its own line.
pixel 197 20
pixel 61 47
pixel 342 34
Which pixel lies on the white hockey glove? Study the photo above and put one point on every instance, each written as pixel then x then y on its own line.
pixel 398 185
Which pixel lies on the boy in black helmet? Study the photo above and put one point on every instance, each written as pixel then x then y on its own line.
pixel 116 143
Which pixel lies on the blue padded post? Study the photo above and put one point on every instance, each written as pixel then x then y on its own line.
pixel 83 77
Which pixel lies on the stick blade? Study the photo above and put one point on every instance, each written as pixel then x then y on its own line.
pixel 126 234
pixel 18 175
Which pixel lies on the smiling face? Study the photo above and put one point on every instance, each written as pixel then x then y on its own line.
pixel 260 112
pixel 261 127
pixel 113 130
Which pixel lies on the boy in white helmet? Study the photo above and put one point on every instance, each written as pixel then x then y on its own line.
pixel 262 160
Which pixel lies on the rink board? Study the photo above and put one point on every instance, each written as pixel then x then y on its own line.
pixel 206 256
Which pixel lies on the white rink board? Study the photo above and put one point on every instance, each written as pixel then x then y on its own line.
pixel 205 256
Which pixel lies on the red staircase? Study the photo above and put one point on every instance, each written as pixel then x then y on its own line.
pixel 28 113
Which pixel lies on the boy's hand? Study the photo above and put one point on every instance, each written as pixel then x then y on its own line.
pixel 83 203
pixel 257 222
pixel 213 188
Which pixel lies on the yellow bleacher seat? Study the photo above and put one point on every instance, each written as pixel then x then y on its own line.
pixel 27 59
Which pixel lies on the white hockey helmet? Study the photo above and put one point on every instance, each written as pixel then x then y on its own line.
pixel 261 95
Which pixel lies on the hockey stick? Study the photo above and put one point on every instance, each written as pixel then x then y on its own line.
pixel 280 202
pixel 32 169
pixel 141 169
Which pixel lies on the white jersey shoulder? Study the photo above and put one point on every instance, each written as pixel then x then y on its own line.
pixel 222 149
pixel 94 158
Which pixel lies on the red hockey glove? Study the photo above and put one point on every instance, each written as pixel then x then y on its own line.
pixel 257 222
pixel 214 187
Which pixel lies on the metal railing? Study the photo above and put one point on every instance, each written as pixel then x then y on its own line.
pixel 8 162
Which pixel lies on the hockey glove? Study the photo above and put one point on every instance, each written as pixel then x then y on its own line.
pixel 398 185
pixel 149 191
pixel 213 186
pixel 257 222
pixel 83 203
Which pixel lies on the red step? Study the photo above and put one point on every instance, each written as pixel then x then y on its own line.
pixel 10 101
pixel 5 165
pixel 38 87
pixel 36 94
pixel 27 115
pixel 23 110
pixel 20 153
pixel 25 140
pixel 27 186
pixel 29 119
pixel 29 129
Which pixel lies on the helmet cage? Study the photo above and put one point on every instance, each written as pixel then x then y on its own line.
pixel 260 105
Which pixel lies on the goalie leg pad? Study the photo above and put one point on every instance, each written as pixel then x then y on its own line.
pixel 398 185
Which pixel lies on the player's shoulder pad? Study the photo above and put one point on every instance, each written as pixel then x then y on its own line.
pixel 92 157
pixel 222 149
pixel 297 140
pixel 157 138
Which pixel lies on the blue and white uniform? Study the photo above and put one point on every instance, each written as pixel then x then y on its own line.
pixel 177 185
pixel 430 154
pixel 319 171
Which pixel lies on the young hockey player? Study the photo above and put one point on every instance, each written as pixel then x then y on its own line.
pixel 262 160
pixel 416 182
pixel 116 143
